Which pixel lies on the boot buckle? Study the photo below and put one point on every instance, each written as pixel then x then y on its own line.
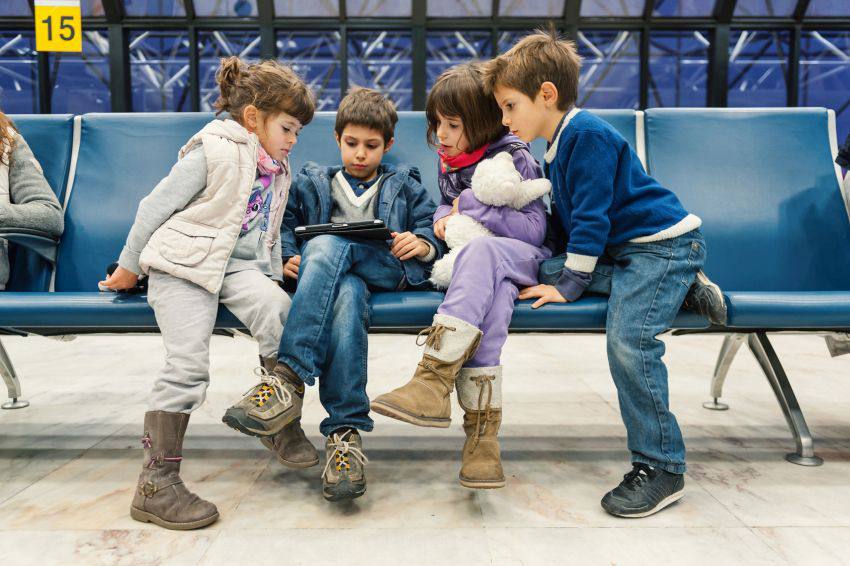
pixel 148 489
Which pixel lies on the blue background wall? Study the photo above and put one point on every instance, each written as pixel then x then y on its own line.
pixel 161 55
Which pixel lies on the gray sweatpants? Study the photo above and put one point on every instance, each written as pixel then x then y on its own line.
pixel 186 316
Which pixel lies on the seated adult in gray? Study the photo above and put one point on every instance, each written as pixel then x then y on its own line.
pixel 26 200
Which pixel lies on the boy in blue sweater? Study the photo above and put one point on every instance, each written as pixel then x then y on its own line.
pixel 618 232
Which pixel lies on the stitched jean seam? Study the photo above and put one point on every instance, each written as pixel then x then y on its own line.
pixel 647 381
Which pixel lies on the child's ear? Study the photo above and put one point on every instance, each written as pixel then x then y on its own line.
pixel 388 145
pixel 338 143
pixel 549 93
pixel 250 118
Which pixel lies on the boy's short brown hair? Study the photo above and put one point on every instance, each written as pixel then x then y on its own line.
pixel 368 108
pixel 535 59
pixel 459 93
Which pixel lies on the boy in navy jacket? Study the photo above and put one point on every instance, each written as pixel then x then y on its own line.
pixel 325 337
pixel 618 232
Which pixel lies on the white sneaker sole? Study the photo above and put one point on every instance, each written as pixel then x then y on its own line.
pixel 666 502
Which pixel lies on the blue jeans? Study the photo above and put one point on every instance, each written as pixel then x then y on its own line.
pixel 646 285
pixel 325 336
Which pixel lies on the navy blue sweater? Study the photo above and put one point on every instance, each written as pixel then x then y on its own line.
pixel 601 194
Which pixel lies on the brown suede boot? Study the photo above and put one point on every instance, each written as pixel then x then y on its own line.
pixel 290 445
pixel 161 496
pixel 425 399
pixel 479 391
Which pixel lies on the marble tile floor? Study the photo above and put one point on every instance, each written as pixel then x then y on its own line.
pixel 68 465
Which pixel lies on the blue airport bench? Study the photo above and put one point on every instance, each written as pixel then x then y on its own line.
pixel 142 148
pixel 759 179
pixel 776 223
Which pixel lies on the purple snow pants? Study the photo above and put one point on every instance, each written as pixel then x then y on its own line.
pixel 486 279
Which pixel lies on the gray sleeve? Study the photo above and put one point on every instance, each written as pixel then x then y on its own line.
pixel 187 178
pixel 33 203
pixel 277 261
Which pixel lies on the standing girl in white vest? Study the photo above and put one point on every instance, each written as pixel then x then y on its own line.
pixel 209 234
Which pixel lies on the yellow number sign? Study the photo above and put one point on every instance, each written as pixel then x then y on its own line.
pixel 58 25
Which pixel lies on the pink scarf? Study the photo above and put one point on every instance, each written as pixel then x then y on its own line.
pixel 265 164
pixel 268 168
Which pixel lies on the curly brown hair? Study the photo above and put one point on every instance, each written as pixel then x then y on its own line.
pixel 8 131
pixel 268 85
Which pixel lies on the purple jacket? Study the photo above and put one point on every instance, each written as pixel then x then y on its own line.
pixel 527 224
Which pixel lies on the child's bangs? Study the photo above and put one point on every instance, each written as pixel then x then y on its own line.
pixel 445 100
pixel 300 106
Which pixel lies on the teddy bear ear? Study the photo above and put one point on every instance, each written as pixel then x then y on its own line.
pixel 504 156
pixel 533 189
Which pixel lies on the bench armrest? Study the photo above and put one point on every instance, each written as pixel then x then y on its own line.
pixel 42 243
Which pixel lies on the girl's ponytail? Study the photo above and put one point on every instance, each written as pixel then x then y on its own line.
pixel 227 77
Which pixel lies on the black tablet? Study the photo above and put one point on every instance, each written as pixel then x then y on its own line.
pixel 368 230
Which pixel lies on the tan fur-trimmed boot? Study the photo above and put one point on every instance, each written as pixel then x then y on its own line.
pixel 479 392
pixel 291 446
pixel 161 496
pixel 425 400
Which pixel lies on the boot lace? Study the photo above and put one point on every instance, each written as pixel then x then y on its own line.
pixel 434 335
pixel 270 384
pixel 639 475
pixel 344 450
pixel 483 382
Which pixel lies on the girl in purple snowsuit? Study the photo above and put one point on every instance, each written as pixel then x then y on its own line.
pixel 464 344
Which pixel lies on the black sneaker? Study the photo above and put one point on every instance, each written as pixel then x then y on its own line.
pixel 705 298
pixel 644 491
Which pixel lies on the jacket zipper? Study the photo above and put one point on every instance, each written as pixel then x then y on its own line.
pixel 233 247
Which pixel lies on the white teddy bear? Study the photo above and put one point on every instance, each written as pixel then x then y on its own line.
pixel 496 182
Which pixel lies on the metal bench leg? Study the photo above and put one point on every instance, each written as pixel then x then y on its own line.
pixel 13 385
pixel 731 344
pixel 770 364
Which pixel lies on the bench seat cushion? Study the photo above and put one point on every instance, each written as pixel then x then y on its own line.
pixel 797 310
pixel 411 310
pixel 406 310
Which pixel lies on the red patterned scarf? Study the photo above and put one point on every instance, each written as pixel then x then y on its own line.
pixel 448 164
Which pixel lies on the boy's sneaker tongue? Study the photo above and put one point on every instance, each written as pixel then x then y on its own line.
pixel 644 491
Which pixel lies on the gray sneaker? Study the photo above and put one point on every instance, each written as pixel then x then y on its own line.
pixel 345 471
pixel 270 405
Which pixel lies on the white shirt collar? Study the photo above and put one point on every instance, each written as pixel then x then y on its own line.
pixel 549 156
